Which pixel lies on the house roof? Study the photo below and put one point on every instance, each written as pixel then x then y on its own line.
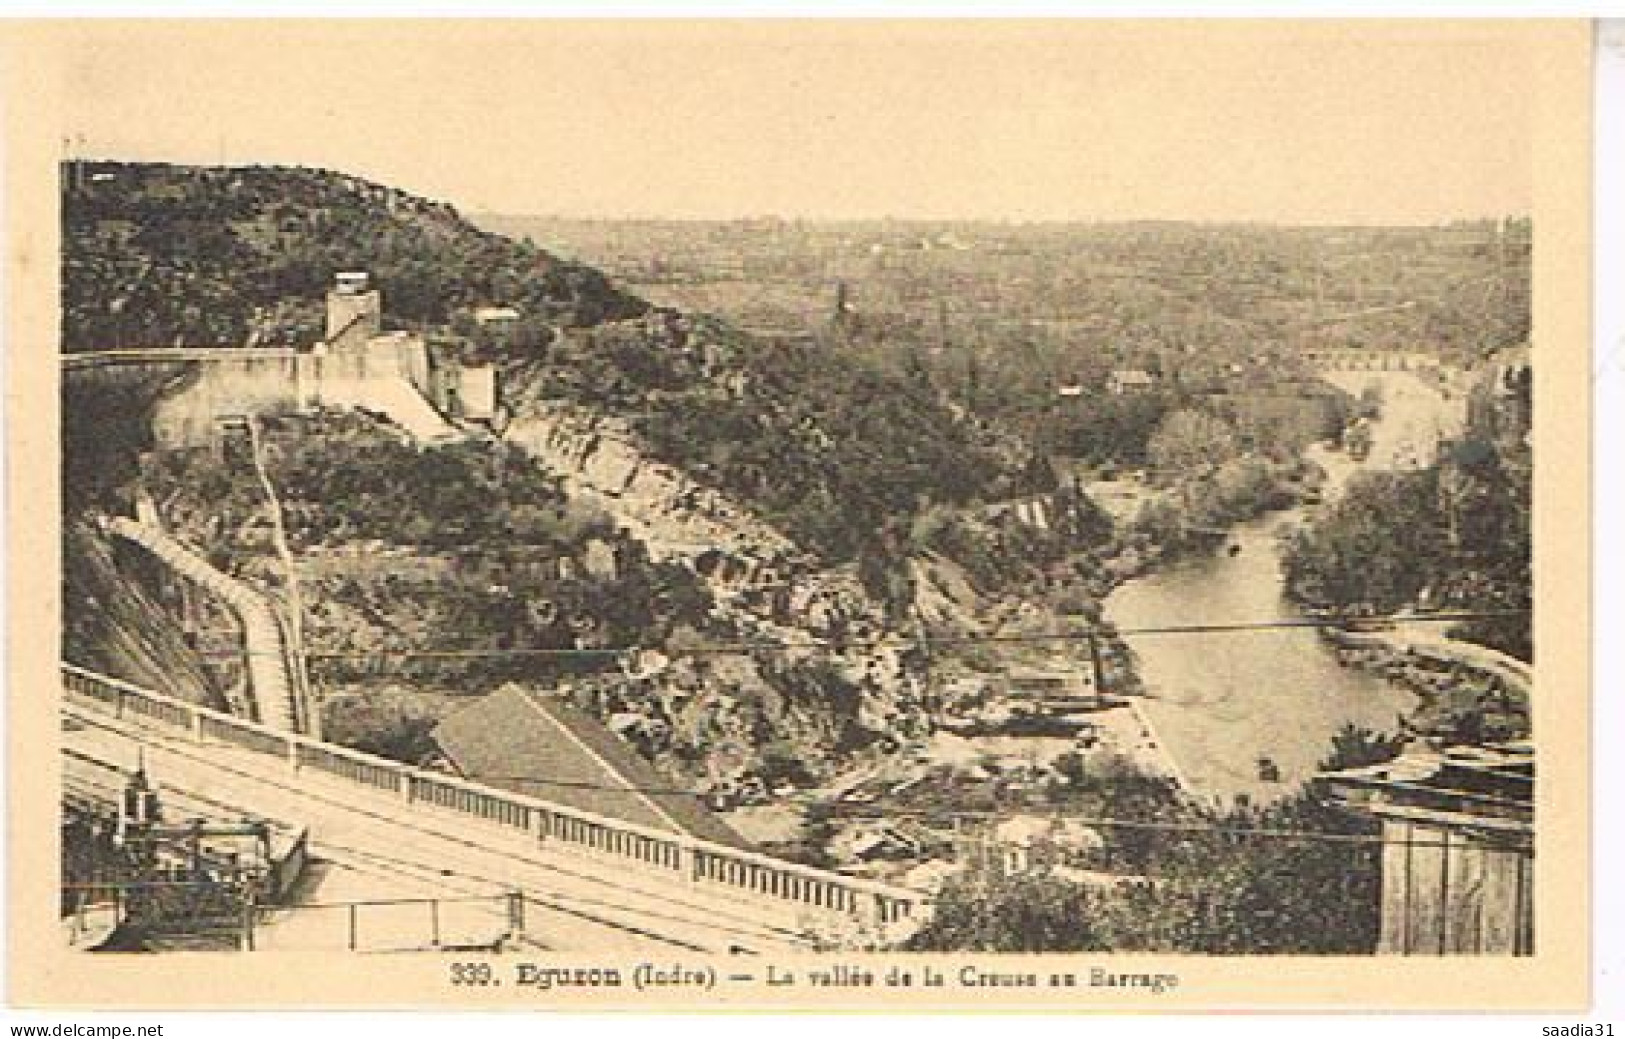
pixel 1022 830
pixel 1494 782
pixel 1135 375
pixel 539 745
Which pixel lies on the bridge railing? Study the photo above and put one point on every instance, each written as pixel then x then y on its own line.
pixel 800 890
pixel 376 772
pixel 173 355
pixel 256 739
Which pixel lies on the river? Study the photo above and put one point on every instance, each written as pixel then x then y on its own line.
pixel 1219 702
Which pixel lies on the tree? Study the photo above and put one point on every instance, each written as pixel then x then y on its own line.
pixel 986 911
pixel 1354 746
pixel 1375 549
pixel 1189 443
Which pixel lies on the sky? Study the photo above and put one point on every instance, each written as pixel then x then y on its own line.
pixel 1322 123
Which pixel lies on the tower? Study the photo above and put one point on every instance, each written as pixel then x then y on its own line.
pixel 355 312
pixel 139 812
pixel 844 320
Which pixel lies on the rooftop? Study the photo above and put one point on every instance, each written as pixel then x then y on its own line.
pixel 541 746
pixel 1491 786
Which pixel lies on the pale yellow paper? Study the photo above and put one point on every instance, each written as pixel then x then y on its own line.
pixel 51 69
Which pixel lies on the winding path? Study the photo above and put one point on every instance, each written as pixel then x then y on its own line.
pixel 266 655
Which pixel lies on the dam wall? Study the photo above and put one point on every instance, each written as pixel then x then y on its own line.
pixel 388 374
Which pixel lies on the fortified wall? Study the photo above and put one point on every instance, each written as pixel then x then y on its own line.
pixel 358 365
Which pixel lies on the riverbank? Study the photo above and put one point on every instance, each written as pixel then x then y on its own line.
pixel 1465 692
pixel 1456 679
pixel 1234 707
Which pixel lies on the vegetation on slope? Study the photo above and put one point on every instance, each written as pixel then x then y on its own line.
pixel 831 449
pixel 1194 882
pixel 865 444
pixel 1453 536
pixel 452 547
pixel 157 255
pixel 837 451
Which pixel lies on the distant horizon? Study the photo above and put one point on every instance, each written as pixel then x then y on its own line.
pixel 472 214
pixel 986 221
pixel 1287 124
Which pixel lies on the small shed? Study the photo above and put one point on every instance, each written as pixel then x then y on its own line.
pixel 1457 847
pixel 1130 380
pixel 495 317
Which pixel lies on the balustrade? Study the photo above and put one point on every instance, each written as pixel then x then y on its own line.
pixel 671 855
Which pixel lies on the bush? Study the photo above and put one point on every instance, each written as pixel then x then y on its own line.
pixel 379 723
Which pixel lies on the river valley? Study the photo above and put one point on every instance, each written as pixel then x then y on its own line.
pixel 1221 702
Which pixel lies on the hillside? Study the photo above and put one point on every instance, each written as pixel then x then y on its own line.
pixel 808 468
pixel 159 255
pixel 118 619
pixel 999 317
pixel 724 544
pixel 665 480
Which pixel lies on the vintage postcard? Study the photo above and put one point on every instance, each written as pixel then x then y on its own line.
pixel 1066 515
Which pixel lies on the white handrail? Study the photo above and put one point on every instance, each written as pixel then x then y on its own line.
pixel 696 859
pixel 173 355
pixel 267 660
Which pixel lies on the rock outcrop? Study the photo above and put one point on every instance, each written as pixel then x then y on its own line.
pixel 599 460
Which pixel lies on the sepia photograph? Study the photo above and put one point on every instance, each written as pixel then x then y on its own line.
pixel 716 512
